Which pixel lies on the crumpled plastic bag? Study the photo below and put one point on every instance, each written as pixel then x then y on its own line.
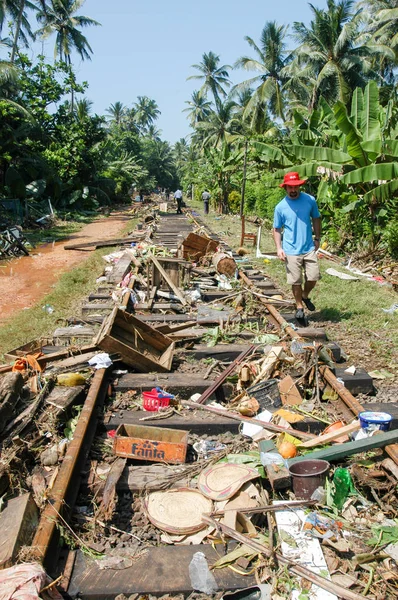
pixel 24 582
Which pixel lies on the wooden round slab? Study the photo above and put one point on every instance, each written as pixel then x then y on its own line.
pixel 223 480
pixel 178 511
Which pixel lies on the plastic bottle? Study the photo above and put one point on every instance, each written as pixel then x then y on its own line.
pixel 343 486
pixel 202 580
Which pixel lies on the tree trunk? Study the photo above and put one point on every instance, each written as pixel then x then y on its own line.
pixel 17 30
pixel 224 264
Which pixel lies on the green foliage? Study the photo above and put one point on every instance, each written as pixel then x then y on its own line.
pixel 267 197
pixel 390 237
pixel 234 199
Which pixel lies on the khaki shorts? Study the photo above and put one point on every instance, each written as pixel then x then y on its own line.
pixel 296 264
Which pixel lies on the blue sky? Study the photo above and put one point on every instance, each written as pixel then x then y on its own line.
pixel 147 47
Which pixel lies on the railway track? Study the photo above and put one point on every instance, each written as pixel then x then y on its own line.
pixel 100 498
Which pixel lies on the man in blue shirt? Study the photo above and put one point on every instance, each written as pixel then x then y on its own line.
pixel 296 214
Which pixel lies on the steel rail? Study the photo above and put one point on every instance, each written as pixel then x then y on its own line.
pixel 65 489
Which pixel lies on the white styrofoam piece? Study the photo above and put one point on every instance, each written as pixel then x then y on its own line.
pixel 308 552
pixel 250 429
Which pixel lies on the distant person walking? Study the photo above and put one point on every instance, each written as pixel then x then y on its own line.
pixel 206 199
pixel 178 197
pixel 296 214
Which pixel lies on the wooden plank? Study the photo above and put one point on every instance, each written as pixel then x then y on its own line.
pixel 168 280
pixel 62 397
pixel 340 451
pixel 18 523
pixel 332 436
pixel 158 571
pixel 121 269
pixel 101 243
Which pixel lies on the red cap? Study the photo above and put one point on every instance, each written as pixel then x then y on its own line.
pixel 292 178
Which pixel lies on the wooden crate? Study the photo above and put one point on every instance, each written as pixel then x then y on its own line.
pixel 177 269
pixel 139 345
pixel 195 246
pixel 32 347
pixel 158 444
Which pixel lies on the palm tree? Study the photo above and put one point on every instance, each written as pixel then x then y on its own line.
pixel 153 133
pixel 16 10
pixel 213 76
pixel 221 126
pixel 116 113
pixel 83 109
pixel 380 26
pixel 59 17
pixel 146 112
pixel 198 109
pixel 271 59
pixel 328 53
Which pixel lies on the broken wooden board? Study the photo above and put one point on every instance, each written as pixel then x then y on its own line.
pixel 157 571
pixel 289 393
pixel 339 451
pixel 332 436
pixel 103 243
pixel 61 398
pixel 120 269
pixel 18 523
pixel 11 385
pixel 74 335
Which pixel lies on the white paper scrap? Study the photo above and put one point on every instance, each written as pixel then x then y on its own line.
pixel 306 551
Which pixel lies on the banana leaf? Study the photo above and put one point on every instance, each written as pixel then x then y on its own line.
pixel 272 153
pixel 382 192
pixel 319 154
pixel 356 107
pixel 370 124
pixel 379 172
pixel 353 137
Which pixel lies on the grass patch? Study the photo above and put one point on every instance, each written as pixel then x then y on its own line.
pixel 36 323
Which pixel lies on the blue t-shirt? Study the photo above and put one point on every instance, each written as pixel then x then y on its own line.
pixel 295 218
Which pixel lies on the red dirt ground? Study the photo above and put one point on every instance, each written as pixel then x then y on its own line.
pixel 24 281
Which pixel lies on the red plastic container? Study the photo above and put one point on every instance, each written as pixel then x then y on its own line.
pixel 155 399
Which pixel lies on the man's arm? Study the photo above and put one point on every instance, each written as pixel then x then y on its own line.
pixel 278 243
pixel 316 222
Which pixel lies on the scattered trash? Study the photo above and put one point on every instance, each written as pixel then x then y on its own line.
pixel 341 275
pixel 48 309
pixel 100 361
pixel 202 580
pixel 393 309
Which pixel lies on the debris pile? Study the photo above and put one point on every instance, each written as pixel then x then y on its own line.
pixel 181 423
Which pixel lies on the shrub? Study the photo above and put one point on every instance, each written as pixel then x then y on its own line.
pixel 234 198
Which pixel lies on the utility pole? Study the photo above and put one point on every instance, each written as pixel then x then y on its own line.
pixel 242 200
